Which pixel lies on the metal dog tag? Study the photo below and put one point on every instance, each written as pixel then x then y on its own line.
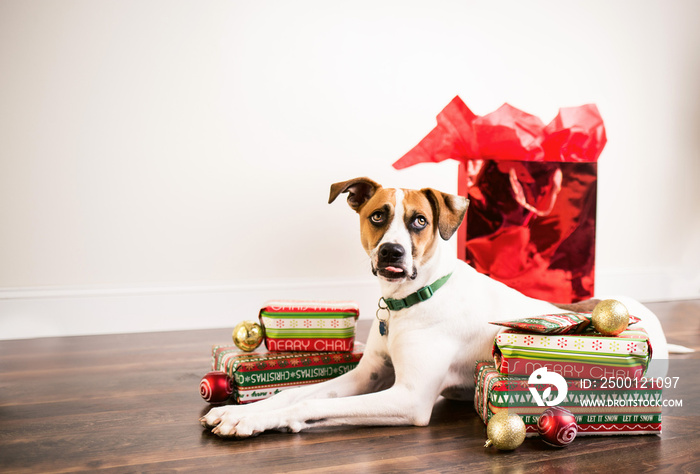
pixel 383 328
pixel 383 323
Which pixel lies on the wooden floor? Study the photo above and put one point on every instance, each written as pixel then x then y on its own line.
pixel 130 403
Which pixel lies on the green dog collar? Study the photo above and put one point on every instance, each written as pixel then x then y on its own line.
pixel 419 296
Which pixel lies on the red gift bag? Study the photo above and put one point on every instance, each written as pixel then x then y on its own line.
pixel 532 192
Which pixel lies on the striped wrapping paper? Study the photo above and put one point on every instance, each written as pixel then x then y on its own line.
pixel 259 375
pixel 496 392
pixel 560 323
pixel 587 355
pixel 309 326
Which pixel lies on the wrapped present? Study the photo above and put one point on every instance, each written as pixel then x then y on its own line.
pixel 259 375
pixel 532 191
pixel 561 323
pixel 309 325
pixel 622 406
pixel 586 355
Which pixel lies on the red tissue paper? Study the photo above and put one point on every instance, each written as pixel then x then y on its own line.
pixel 576 134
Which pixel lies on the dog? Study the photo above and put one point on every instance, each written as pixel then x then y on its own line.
pixel 428 295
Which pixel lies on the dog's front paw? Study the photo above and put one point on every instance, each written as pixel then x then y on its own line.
pixel 229 422
pixel 243 427
pixel 214 417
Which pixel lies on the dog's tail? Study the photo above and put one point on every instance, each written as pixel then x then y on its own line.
pixel 677 349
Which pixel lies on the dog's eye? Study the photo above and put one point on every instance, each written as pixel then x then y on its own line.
pixel 377 217
pixel 419 222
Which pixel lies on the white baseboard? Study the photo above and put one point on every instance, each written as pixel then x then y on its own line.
pixel 44 312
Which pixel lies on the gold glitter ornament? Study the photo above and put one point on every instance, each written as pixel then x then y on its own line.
pixel 248 335
pixel 610 317
pixel 505 431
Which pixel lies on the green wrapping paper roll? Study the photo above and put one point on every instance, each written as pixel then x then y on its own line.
pixel 259 375
pixel 587 355
pixel 309 326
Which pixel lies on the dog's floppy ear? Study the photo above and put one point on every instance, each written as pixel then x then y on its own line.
pixel 359 190
pixel 449 211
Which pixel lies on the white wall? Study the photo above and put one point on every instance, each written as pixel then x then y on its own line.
pixel 155 151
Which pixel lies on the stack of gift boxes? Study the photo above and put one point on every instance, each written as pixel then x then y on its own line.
pixel 603 376
pixel 306 342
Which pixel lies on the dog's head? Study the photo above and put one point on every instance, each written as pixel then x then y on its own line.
pixel 401 228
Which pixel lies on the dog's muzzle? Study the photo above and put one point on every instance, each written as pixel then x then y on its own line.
pixel 391 262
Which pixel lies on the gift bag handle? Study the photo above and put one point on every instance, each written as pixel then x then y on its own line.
pixel 520 193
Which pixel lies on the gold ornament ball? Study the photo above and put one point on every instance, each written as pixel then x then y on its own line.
pixel 610 317
pixel 505 431
pixel 248 335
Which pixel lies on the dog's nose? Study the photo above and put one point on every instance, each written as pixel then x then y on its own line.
pixel 391 252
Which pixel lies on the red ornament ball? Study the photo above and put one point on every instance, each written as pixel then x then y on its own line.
pixel 216 387
pixel 557 426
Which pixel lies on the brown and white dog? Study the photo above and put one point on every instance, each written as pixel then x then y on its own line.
pixel 397 382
